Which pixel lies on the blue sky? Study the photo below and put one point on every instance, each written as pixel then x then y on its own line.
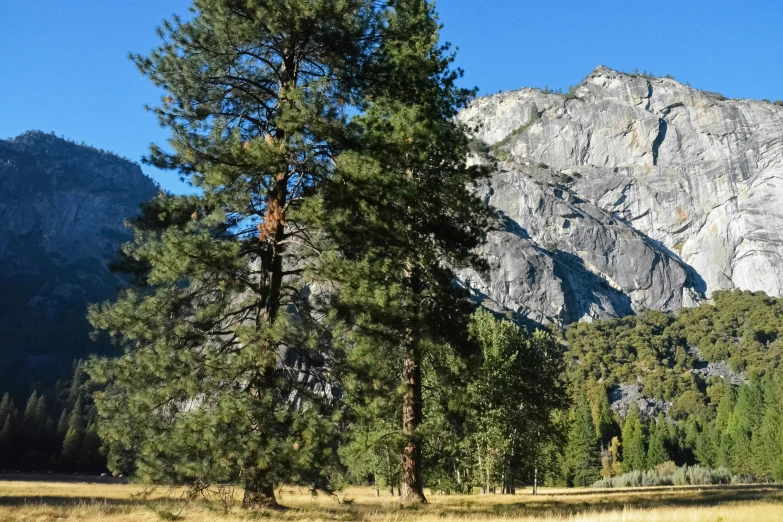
pixel 64 66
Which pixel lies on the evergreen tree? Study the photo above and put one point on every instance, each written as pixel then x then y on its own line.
pixel 582 453
pixel 745 419
pixel 602 414
pixel 768 439
pixel 658 446
pixel 6 407
pixel 223 376
pixel 72 443
pixel 634 451
pixel 7 437
pixel 402 216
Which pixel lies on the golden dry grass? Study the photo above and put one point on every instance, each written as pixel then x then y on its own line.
pixel 59 501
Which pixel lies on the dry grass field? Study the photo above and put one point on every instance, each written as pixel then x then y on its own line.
pixel 40 501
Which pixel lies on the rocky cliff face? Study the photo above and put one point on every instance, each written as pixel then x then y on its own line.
pixel 628 193
pixel 62 208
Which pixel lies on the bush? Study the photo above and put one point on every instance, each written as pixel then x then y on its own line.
pixel 748 478
pixel 666 469
pixel 668 474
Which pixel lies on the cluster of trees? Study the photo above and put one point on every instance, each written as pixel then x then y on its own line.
pixel 732 420
pixel 491 427
pixel 303 302
pixel 56 433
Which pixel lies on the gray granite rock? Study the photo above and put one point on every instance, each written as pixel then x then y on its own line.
pixel 631 193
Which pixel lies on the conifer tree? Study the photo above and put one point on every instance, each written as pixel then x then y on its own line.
pixel 402 217
pixel 745 419
pixel 7 441
pixel 610 459
pixel 657 448
pixel 768 439
pixel 634 450
pixel 582 452
pixel 72 443
pixel 226 369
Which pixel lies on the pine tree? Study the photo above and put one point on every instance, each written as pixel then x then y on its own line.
pixel 745 419
pixel 223 374
pixel 402 216
pixel 582 452
pixel 7 437
pixel 767 441
pixel 602 414
pixel 6 406
pixel 72 443
pixel 658 446
pixel 634 451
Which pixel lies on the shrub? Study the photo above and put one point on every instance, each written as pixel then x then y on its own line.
pixel 666 469
pixel 667 474
pixel 745 478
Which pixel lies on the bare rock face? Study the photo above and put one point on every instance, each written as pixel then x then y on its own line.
pixel 629 193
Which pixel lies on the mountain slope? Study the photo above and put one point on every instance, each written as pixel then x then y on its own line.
pixel 628 193
pixel 62 208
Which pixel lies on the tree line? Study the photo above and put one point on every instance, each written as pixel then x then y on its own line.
pixel 729 420
pixel 54 431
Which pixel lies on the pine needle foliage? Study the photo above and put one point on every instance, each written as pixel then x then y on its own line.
pixel 403 217
pixel 225 375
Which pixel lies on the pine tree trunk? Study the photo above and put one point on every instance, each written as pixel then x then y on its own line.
pixel 412 490
pixel 259 493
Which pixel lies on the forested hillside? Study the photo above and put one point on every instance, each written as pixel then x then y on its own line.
pixel 62 212
pixel 702 385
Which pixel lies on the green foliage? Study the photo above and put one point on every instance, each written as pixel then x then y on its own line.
pixel 717 424
pixel 634 441
pixel 581 465
pixel 223 375
pixel 33 442
pixel 658 443
pixel 399 221
pixel 513 397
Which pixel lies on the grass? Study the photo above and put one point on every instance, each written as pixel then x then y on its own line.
pixel 31 501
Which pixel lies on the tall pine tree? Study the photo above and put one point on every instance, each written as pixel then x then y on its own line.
pixel 634 440
pixel 582 458
pixel 223 376
pixel 402 218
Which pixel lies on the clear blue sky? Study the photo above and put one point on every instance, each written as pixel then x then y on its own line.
pixel 64 66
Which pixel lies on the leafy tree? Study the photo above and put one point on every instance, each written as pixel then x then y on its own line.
pixel 634 439
pixel 517 387
pixel 610 459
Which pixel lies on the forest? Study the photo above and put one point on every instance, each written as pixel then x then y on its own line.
pixel 297 320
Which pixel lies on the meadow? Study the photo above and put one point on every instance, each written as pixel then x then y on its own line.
pixel 45 500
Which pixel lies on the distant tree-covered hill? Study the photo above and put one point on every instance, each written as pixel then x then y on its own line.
pixel 62 212
pixel 702 386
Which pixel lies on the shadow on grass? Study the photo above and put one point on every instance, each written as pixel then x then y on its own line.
pixel 616 500
pixel 60 477
pixel 557 504
pixel 62 501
